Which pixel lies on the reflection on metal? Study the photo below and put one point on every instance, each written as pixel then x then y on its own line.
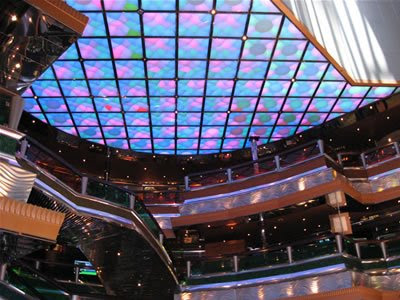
pixel 378 183
pixel 313 284
pixel 29 219
pixel 120 254
pixel 11 292
pixel 257 194
pixel 15 182
pixel 322 280
pixel 32 41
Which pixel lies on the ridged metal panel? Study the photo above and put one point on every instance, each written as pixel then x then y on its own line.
pixel 15 183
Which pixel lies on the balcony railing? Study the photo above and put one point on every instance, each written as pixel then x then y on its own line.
pixel 73 178
pixel 283 256
pixel 290 158
pixel 264 165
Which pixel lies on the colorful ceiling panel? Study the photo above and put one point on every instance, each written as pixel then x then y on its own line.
pixel 190 77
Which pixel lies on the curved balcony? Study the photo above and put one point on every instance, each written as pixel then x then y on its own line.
pixel 117 234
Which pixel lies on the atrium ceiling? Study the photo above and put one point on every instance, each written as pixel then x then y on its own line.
pixel 190 77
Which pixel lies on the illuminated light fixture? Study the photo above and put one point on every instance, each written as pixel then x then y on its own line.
pixel 248 234
pixel 14 18
pixel 33 121
pixel 59 151
pixel 84 160
pixel 213 11
pixel 305 229
pixel 340 223
pixel 208 226
pixel 370 107
pixel 275 227
pixel 244 38
pixel 145 169
pixel 139 284
pixel 119 254
pixel 18 65
pixel 293 79
pixel 389 140
pixel 358 129
pixel 387 118
pixel 304 219
pixel 30 20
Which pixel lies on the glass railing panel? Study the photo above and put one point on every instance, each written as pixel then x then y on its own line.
pixel 250 169
pixel 21 278
pixel 158 196
pixel 262 259
pixel 107 192
pixel 349 247
pixel 351 160
pixel 380 155
pixel 314 249
pixel 147 218
pixel 55 167
pixel 298 155
pixel 208 178
pixel 8 145
pixel 393 248
pixel 212 266
pixel 370 251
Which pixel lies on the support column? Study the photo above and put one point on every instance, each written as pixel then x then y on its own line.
pixel 235 263
pixel 84 185
pixel 254 152
pixel 277 162
pixel 364 162
pixel 383 248
pixel 161 238
pixel 17 106
pixel 187 188
pixel 132 202
pixel 24 147
pixel 229 174
pixel 188 269
pixel 339 243
pixel 396 147
pixel 289 254
pixel 321 146
pixel 3 270
pixel 358 250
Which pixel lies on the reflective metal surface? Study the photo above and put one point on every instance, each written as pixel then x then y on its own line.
pixel 276 290
pixel 7 291
pixel 29 42
pixel 257 194
pixel 15 183
pixel 379 183
pixel 127 265
pixel 318 283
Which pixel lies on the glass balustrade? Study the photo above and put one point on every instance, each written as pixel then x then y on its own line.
pixel 380 155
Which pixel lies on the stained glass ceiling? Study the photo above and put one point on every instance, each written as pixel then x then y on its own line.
pixel 190 77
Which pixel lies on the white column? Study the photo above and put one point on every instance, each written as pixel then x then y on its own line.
pixel 17 106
